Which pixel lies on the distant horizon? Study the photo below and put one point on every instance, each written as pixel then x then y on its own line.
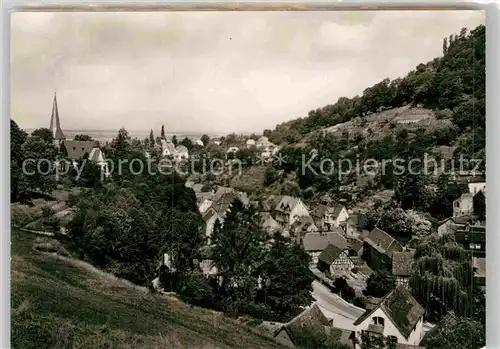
pixel 142 132
pixel 217 72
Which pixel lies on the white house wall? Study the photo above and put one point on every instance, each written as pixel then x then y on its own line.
pixel 342 217
pixel 391 330
pixel 474 188
pixel 299 210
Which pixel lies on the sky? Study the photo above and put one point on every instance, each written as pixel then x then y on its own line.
pixel 214 72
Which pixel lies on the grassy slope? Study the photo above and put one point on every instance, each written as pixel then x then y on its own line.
pixel 65 303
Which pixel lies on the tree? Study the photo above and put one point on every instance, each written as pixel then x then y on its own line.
pixel 411 192
pixel 174 140
pixel 17 139
pixel 205 139
pixel 187 143
pixel 287 279
pixel 162 132
pixel 442 278
pixel 82 137
pixel 121 145
pixel 151 139
pixel 480 205
pixel 379 284
pixel 238 254
pixel 38 161
pixel 44 134
pixel 454 332
pixel 195 289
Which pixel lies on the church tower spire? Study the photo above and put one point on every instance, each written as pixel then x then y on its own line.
pixel 55 125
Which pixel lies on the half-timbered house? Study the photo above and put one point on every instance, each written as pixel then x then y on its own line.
pixel 334 262
pixel 402 263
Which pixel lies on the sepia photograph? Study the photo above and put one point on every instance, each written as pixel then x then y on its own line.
pixel 248 179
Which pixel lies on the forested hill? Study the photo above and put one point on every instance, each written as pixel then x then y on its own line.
pixel 452 85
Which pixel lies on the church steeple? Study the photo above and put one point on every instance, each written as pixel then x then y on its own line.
pixel 55 125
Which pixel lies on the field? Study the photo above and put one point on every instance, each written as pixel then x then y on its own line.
pixel 60 302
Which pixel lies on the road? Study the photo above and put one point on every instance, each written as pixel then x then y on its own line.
pixel 335 308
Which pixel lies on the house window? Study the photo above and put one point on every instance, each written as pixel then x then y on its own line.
pixel 393 339
pixel 377 320
pixel 74 148
pixel 473 246
pixel 457 204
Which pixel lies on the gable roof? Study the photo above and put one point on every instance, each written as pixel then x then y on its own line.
pixel 271 202
pixel 167 148
pixel 209 213
pixel 197 187
pixel 96 155
pixel 402 263
pixel 319 241
pixel 287 204
pixel 310 320
pixel 221 191
pixel 340 335
pixel 181 149
pixel 223 203
pixel 401 308
pixel 355 244
pixel 77 149
pixel 382 242
pixel 329 254
pixel 334 210
pixel 468 196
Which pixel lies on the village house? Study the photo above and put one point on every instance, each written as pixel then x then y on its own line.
pixel 207 263
pixel 77 150
pixel 181 153
pixel 402 263
pixel 452 224
pixel 199 142
pixel 221 202
pixel 288 210
pixel 250 143
pixel 476 185
pixel 204 202
pixel 378 249
pixel 302 226
pixel 315 243
pixel 269 223
pixel 334 262
pixel 167 148
pixel 217 212
pixel 472 238
pixel 327 217
pixel 311 322
pixel 355 224
pixel 464 205
pixel 398 315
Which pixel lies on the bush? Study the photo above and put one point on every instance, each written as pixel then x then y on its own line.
pixel 195 289
pixel 360 302
pixel 50 245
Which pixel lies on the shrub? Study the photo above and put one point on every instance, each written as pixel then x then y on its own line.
pixel 50 245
